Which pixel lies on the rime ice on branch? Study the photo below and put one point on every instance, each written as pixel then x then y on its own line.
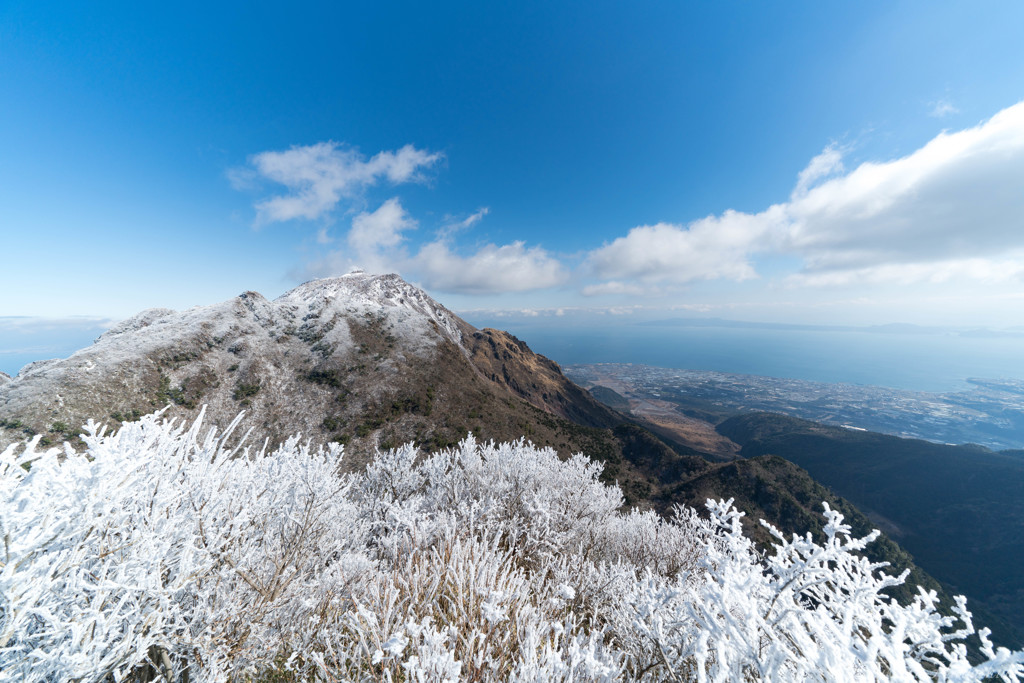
pixel 159 546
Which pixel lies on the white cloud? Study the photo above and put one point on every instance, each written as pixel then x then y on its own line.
pixel 317 177
pixel 980 270
pixel 942 108
pixel 402 166
pixel 565 312
pixel 952 210
pixel 375 243
pixel 960 196
pixel 713 247
pixel 613 287
pixel 383 228
pixel 508 268
pixel 35 324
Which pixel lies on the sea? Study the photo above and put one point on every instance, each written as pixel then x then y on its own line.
pixel 914 361
pixel 25 340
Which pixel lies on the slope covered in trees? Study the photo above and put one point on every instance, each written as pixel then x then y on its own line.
pixel 160 551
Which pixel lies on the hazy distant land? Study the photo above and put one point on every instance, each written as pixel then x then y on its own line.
pixel 989 413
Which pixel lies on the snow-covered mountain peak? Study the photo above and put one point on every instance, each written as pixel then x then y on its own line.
pixel 363 338
pixel 359 290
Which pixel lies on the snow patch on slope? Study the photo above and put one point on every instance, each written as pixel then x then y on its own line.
pixel 137 322
pixel 358 290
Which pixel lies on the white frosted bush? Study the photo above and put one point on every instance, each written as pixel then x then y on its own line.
pixel 160 552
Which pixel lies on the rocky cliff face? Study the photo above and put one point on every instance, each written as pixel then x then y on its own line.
pixel 509 363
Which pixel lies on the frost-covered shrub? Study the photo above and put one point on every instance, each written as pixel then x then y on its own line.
pixel 160 552
pixel 155 538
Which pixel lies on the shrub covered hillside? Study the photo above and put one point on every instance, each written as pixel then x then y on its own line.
pixel 157 554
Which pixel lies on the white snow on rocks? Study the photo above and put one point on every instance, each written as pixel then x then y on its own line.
pixel 359 291
pixel 248 339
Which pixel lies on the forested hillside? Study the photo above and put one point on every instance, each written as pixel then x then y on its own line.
pixel 959 510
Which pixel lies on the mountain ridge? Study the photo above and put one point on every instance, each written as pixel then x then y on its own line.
pixel 368 360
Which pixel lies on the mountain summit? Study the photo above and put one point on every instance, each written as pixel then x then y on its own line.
pixel 364 359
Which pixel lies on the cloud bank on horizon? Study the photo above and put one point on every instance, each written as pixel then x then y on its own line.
pixel 951 212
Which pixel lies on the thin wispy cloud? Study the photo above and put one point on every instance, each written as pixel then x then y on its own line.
pixel 33 324
pixel 828 163
pixel 374 242
pixel 942 108
pixel 454 226
pixel 614 287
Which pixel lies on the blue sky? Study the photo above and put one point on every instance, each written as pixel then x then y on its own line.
pixel 857 163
